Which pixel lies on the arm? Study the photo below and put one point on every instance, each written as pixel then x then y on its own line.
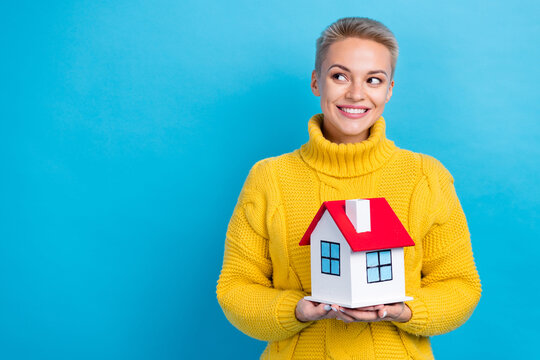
pixel 450 286
pixel 245 290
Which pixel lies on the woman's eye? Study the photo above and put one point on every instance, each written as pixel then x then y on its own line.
pixel 340 77
pixel 374 81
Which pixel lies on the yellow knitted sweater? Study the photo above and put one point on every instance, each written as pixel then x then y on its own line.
pixel 265 272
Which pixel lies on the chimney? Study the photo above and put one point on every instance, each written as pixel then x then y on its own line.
pixel 359 213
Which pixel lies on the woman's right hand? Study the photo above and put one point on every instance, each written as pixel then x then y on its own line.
pixel 309 311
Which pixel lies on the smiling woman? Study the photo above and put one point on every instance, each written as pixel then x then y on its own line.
pixel 354 85
pixel 266 274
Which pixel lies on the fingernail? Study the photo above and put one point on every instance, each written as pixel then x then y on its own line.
pixel 327 307
pixel 342 310
pixel 384 314
pixel 334 309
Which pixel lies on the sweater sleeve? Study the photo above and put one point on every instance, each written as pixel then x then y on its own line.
pixel 245 291
pixel 450 286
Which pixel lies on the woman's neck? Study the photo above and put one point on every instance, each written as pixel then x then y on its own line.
pixel 346 159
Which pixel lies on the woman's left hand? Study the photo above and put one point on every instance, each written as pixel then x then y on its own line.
pixel 399 312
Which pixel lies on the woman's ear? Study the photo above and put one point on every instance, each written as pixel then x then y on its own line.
pixel 315 84
pixel 389 92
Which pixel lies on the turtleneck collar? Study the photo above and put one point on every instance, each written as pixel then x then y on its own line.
pixel 346 160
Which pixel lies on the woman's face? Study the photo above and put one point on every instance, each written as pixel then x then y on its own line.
pixel 354 85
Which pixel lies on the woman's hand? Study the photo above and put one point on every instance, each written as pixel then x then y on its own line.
pixel 309 311
pixel 399 312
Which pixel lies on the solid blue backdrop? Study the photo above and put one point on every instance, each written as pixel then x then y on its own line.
pixel 128 128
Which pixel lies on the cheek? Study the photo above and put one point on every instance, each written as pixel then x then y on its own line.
pixel 330 92
pixel 379 97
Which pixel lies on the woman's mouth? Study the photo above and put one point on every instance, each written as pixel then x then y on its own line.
pixel 353 112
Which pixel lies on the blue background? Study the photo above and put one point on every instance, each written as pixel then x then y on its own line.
pixel 128 128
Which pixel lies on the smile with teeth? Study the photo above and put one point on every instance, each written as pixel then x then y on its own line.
pixel 352 110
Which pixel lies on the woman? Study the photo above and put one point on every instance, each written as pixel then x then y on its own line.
pixel 266 274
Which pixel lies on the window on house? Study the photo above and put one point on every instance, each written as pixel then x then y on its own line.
pixel 379 266
pixel 329 258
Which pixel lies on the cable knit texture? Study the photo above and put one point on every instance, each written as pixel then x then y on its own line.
pixel 265 272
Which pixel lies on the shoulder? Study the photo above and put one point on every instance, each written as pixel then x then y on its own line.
pixel 432 167
pixel 432 183
pixel 265 175
pixel 428 166
pixel 259 176
pixel 265 168
pixel 271 168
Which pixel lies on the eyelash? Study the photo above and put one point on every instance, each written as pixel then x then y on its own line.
pixel 376 78
pixel 337 75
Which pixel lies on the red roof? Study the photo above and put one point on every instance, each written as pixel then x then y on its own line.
pixel 386 230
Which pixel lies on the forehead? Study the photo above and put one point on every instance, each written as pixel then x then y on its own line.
pixel 358 54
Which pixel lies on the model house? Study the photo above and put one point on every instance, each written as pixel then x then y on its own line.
pixel 357 256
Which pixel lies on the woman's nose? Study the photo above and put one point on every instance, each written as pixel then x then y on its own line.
pixel 355 92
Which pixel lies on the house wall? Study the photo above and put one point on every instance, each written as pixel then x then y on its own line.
pixel 324 286
pixel 361 290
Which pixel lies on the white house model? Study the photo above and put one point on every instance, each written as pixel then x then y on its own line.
pixel 357 253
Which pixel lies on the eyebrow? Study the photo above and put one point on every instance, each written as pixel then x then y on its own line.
pixel 347 69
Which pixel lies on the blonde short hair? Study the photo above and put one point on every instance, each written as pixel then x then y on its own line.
pixel 358 27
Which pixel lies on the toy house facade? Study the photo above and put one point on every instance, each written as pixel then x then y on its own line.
pixel 357 256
